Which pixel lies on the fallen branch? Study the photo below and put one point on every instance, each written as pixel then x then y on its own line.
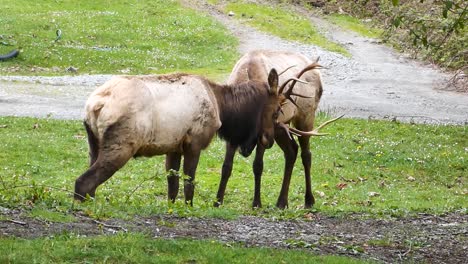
pixel 110 226
pixel 18 222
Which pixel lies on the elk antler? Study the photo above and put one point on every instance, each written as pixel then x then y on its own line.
pixel 289 92
pixel 312 66
pixel 285 70
pixel 286 128
pixel 315 132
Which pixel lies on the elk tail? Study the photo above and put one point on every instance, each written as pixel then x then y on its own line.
pixel 93 143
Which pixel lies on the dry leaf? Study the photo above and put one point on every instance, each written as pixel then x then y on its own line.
pixel 309 216
pixel 374 194
pixel 411 178
pixel 341 185
pixel 78 136
pixel 382 184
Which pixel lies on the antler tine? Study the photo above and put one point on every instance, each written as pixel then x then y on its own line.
pixel 286 83
pixel 314 132
pixel 312 66
pixel 286 128
pixel 285 70
pixel 328 122
pixel 300 95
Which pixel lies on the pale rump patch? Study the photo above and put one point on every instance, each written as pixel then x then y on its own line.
pixel 165 112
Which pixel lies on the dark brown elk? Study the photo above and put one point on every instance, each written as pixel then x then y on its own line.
pixel 176 115
pixel 299 111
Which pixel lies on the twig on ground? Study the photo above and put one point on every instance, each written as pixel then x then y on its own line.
pixel 110 226
pixel 18 222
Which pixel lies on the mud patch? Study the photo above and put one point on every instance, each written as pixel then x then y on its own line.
pixel 424 238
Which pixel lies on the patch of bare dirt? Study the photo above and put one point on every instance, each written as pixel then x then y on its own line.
pixel 420 239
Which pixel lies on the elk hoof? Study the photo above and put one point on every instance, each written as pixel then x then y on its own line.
pixel 256 205
pixel 282 205
pixel 189 203
pixel 309 202
pixel 217 204
pixel 83 197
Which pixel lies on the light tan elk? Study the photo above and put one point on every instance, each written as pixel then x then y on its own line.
pixel 299 111
pixel 176 115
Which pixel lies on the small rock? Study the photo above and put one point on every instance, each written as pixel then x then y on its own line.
pixel 231 13
pixel 4 210
pixel 72 69
pixel 321 194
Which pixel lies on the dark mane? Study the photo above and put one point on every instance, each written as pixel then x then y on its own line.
pixel 241 115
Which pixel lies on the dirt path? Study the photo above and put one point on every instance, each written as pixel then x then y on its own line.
pixel 426 238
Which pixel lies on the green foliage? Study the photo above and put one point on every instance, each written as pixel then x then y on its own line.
pixel 436 27
pixel 111 37
pixel 282 23
pixel 376 167
pixel 139 248
pixel 432 30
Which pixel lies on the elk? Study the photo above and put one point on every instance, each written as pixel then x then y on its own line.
pixel 176 115
pixel 298 111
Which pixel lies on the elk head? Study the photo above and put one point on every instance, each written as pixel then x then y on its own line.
pixel 273 107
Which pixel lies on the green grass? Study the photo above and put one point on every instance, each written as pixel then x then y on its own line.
pixel 135 37
pixel 138 248
pixel 354 24
pixel 388 169
pixel 283 23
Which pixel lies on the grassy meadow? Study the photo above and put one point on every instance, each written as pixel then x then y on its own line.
pixel 111 37
pixel 354 24
pixel 138 248
pixel 376 167
pixel 282 23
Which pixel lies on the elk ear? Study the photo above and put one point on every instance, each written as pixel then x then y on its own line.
pixel 273 81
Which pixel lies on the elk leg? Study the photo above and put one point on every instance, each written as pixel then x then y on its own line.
pixel 191 158
pixel 225 173
pixel 306 157
pixel 172 163
pixel 290 148
pixel 108 162
pixel 258 170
